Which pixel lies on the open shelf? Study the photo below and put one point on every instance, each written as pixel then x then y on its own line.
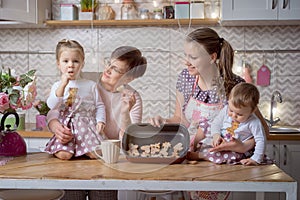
pixel 138 22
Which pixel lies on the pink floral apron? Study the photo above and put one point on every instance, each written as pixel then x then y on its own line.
pixel 200 114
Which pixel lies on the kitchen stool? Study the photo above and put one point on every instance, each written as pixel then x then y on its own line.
pixel 31 194
pixel 162 195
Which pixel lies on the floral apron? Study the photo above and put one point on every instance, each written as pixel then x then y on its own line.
pixel 200 114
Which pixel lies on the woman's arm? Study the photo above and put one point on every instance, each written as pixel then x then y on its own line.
pixel 178 116
pixel 235 145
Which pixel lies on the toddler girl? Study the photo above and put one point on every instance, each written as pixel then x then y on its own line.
pixel 78 102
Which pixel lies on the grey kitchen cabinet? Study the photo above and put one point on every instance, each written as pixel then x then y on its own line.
pixel 286 155
pixel 25 11
pixel 260 10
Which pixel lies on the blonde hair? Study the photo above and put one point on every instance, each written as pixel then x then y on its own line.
pixel 244 94
pixel 212 43
pixel 70 44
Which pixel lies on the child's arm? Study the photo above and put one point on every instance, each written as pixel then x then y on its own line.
pixel 54 101
pixel 100 107
pixel 59 92
pixel 258 133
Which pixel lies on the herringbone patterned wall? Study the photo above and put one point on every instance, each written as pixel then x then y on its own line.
pixel 34 48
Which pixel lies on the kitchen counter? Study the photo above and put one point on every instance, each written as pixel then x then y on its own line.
pixel 43 171
pixel 29 132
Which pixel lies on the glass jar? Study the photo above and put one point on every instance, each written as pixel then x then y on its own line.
pixel 211 9
pixel 157 13
pixel 128 10
pixel 144 13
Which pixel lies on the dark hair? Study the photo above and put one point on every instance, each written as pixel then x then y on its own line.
pixel 137 63
pixel 244 94
pixel 214 44
pixel 72 44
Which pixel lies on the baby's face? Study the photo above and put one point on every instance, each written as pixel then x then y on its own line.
pixel 239 114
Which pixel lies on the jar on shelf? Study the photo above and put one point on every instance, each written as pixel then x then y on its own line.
pixel 128 10
pixel 144 13
pixel 211 9
pixel 157 13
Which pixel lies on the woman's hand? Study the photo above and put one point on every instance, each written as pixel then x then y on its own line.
pixel 235 145
pixel 248 161
pixel 62 133
pixel 128 100
pixel 217 140
pixel 157 121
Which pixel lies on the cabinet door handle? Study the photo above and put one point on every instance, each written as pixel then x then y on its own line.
pixel 274 151
pixel 285 155
pixel 274 4
pixel 0 3
pixel 285 4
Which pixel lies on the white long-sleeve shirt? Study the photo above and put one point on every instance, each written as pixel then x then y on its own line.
pixel 112 102
pixel 87 91
pixel 252 127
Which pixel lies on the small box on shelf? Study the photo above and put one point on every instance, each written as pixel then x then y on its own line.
pixel 68 12
pixel 182 10
pixel 86 16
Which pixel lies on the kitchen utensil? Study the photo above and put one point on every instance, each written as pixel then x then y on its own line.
pixel 11 143
pixel 143 134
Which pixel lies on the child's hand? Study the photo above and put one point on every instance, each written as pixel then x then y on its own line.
pixel 100 127
pixel 248 161
pixel 217 140
pixel 65 78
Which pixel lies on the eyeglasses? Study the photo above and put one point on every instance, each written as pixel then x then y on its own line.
pixel 108 65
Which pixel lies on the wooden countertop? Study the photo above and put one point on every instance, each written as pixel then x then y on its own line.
pixel 41 170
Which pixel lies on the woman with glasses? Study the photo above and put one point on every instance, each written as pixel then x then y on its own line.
pixel 123 106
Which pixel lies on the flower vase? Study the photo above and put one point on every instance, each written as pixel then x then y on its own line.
pixel 40 121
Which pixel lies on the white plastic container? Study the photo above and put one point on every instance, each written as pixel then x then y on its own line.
pixel 68 12
pixel 197 10
pixel 182 10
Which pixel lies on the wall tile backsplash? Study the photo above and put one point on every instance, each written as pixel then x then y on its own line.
pixel 24 49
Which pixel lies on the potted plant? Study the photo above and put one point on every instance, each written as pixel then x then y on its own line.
pixel 43 109
pixel 16 93
pixel 87 9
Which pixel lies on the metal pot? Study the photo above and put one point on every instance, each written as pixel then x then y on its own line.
pixel 11 143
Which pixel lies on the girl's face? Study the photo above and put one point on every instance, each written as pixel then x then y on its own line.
pixel 70 63
pixel 239 114
pixel 197 59
pixel 114 71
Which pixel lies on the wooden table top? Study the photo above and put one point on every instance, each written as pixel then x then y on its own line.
pixel 43 166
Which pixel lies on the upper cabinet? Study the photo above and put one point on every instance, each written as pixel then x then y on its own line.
pixel 236 10
pixel 25 11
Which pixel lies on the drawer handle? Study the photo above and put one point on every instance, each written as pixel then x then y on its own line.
pixel 285 4
pixel 274 4
pixel 285 155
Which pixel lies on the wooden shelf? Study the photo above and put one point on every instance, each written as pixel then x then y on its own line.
pixel 148 22
pixel 31 132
